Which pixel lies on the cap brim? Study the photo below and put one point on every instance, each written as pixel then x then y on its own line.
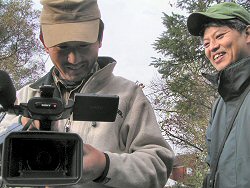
pixel 196 21
pixel 55 34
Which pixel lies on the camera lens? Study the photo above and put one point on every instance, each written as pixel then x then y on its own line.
pixel 46 156
pixel 44 160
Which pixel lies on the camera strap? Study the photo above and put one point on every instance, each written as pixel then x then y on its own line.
pixel 27 125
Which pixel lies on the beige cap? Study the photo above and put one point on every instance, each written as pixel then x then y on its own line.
pixel 69 20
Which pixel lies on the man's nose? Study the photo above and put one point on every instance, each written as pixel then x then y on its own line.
pixel 73 57
pixel 214 46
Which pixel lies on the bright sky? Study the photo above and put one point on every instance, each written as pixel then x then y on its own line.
pixel 131 27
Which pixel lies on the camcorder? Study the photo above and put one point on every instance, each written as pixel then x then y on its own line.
pixel 45 157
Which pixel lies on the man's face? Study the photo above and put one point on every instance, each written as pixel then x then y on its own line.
pixel 74 60
pixel 224 46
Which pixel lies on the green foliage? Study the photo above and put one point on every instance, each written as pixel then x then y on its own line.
pixel 199 169
pixel 182 97
pixel 20 51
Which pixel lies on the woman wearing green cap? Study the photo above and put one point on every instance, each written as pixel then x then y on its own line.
pixel 225 31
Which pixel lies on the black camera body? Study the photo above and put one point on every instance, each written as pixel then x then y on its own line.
pixel 46 108
pixel 44 157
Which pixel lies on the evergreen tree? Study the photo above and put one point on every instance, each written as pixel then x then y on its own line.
pixel 182 97
pixel 20 51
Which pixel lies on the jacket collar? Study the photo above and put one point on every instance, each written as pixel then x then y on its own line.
pixel 233 80
pixel 48 78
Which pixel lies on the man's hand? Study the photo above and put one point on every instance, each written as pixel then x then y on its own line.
pixel 94 163
pixel 35 124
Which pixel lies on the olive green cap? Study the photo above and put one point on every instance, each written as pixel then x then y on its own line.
pixel 221 11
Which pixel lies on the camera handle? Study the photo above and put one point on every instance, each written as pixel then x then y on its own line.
pixel 45 125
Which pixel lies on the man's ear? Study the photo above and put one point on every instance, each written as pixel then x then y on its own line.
pixel 248 34
pixel 42 40
pixel 100 44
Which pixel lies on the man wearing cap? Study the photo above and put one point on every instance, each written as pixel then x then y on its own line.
pixel 225 32
pixel 127 153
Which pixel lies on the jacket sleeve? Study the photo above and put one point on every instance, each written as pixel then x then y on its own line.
pixel 9 123
pixel 148 159
pixel 10 120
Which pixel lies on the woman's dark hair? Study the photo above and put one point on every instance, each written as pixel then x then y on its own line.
pixel 232 23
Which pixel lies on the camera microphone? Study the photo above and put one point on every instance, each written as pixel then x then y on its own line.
pixel 7 91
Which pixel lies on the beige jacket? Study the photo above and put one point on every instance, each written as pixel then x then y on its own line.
pixel 139 155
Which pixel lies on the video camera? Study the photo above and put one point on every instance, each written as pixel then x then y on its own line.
pixel 45 157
